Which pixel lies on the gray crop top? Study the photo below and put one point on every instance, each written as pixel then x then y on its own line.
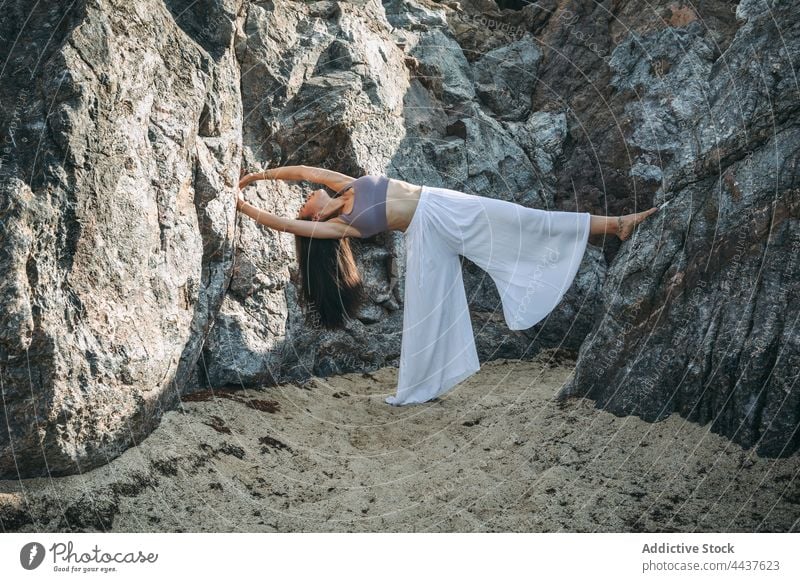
pixel 369 205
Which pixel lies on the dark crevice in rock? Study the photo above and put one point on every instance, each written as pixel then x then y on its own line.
pixel 206 22
pixel 513 4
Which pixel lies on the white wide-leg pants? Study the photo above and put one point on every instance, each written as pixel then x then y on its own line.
pixel 531 254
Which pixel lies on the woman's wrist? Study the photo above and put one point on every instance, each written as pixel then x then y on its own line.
pixel 254 177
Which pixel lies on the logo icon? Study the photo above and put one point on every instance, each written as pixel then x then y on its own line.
pixel 31 555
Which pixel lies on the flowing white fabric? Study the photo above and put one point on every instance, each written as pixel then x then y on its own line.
pixel 532 255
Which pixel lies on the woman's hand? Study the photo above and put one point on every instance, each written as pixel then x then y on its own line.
pixel 245 180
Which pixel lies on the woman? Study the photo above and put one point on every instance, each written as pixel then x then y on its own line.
pixel 531 254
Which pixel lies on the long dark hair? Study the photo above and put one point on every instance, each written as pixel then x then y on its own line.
pixel 331 286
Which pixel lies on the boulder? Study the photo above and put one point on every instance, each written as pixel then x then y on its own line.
pixel 116 239
pixel 696 315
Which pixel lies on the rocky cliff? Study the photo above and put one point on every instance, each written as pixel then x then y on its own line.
pixel 699 312
pixel 128 281
pixel 122 134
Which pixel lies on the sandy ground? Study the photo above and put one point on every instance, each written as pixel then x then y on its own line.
pixel 495 454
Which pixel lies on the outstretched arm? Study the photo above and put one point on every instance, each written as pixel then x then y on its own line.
pixel 331 179
pixel 309 228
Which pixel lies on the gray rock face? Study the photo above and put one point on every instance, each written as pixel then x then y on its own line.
pixel 127 280
pixel 327 92
pixel 117 221
pixel 505 78
pixel 698 308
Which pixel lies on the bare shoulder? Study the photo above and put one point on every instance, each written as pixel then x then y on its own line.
pixel 331 179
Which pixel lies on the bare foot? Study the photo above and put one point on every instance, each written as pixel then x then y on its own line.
pixel 626 223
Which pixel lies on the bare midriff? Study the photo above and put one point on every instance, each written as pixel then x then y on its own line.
pixel 401 202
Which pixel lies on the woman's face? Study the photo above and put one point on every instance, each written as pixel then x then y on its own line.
pixel 315 205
